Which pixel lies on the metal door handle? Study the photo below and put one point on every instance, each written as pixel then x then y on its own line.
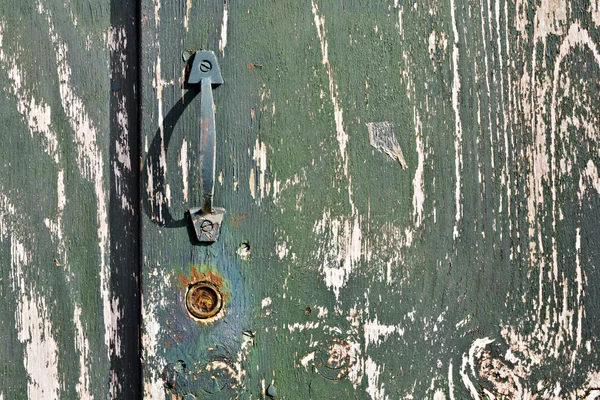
pixel 206 219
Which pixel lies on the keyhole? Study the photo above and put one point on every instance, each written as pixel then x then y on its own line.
pixel 203 300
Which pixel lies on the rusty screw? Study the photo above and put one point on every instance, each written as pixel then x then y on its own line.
pixel 205 66
pixel 203 300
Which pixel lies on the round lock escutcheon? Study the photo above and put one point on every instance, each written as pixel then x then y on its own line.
pixel 203 300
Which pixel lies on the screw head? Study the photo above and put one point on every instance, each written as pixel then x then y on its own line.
pixel 206 226
pixel 203 300
pixel 205 66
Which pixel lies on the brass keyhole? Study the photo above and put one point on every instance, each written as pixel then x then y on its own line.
pixel 203 300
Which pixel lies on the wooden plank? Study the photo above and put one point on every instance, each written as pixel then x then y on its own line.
pixel 68 201
pixel 411 193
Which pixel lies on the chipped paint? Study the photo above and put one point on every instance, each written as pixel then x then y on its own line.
pixel 451 234
pixel 468 365
pixel 36 113
pixel 374 388
pixel 418 184
pixel 341 250
pixel 259 156
pixel 307 359
pixel 90 161
pixel 451 381
pixel 34 330
pixel 252 184
pixel 341 135
pixel 83 346
pixel 383 138
pixel 301 327
pixel 118 45
pixel 456 88
pixel 153 384
pixel 266 302
pixel 186 20
pixel 376 333
pixel 223 40
pixel 183 164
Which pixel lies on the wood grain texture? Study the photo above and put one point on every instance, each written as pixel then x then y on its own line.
pixel 69 201
pixel 469 274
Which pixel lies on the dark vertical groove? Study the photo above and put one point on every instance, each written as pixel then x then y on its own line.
pixel 138 188
pixel 124 217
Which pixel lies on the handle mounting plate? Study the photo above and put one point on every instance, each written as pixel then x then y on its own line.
pixel 207 226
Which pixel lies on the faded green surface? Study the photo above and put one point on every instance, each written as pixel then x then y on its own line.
pixel 469 274
pixel 364 280
pixel 68 200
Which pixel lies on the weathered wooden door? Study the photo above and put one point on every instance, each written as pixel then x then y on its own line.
pixel 411 191
pixel 69 211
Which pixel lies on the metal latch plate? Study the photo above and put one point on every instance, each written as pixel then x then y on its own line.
pixel 207 225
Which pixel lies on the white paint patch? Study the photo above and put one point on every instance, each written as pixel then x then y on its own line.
pixel 151 301
pixel 339 250
pixel 281 250
pixel 37 114
pixel 183 164
pixel 260 158
pixel 307 359
pixel 90 161
pixel 252 184
pixel 223 40
pixel 83 346
pixel 56 227
pixel 186 20
pixel 592 173
pixel 372 370
pixel 550 18
pixel 323 312
pixel 595 11
pixel 579 281
pixel 301 327
pixel 376 333
pixel 451 381
pixel 34 330
pixel 432 45
pixel 383 138
pixel 341 135
pixel 418 185
pixel 266 302
pixel 457 120
pixel 439 395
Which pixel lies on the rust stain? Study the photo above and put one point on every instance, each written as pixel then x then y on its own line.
pixel 195 275
pixel 252 65
pixel 206 275
pixel 216 280
pixel 184 281
pixel 236 220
